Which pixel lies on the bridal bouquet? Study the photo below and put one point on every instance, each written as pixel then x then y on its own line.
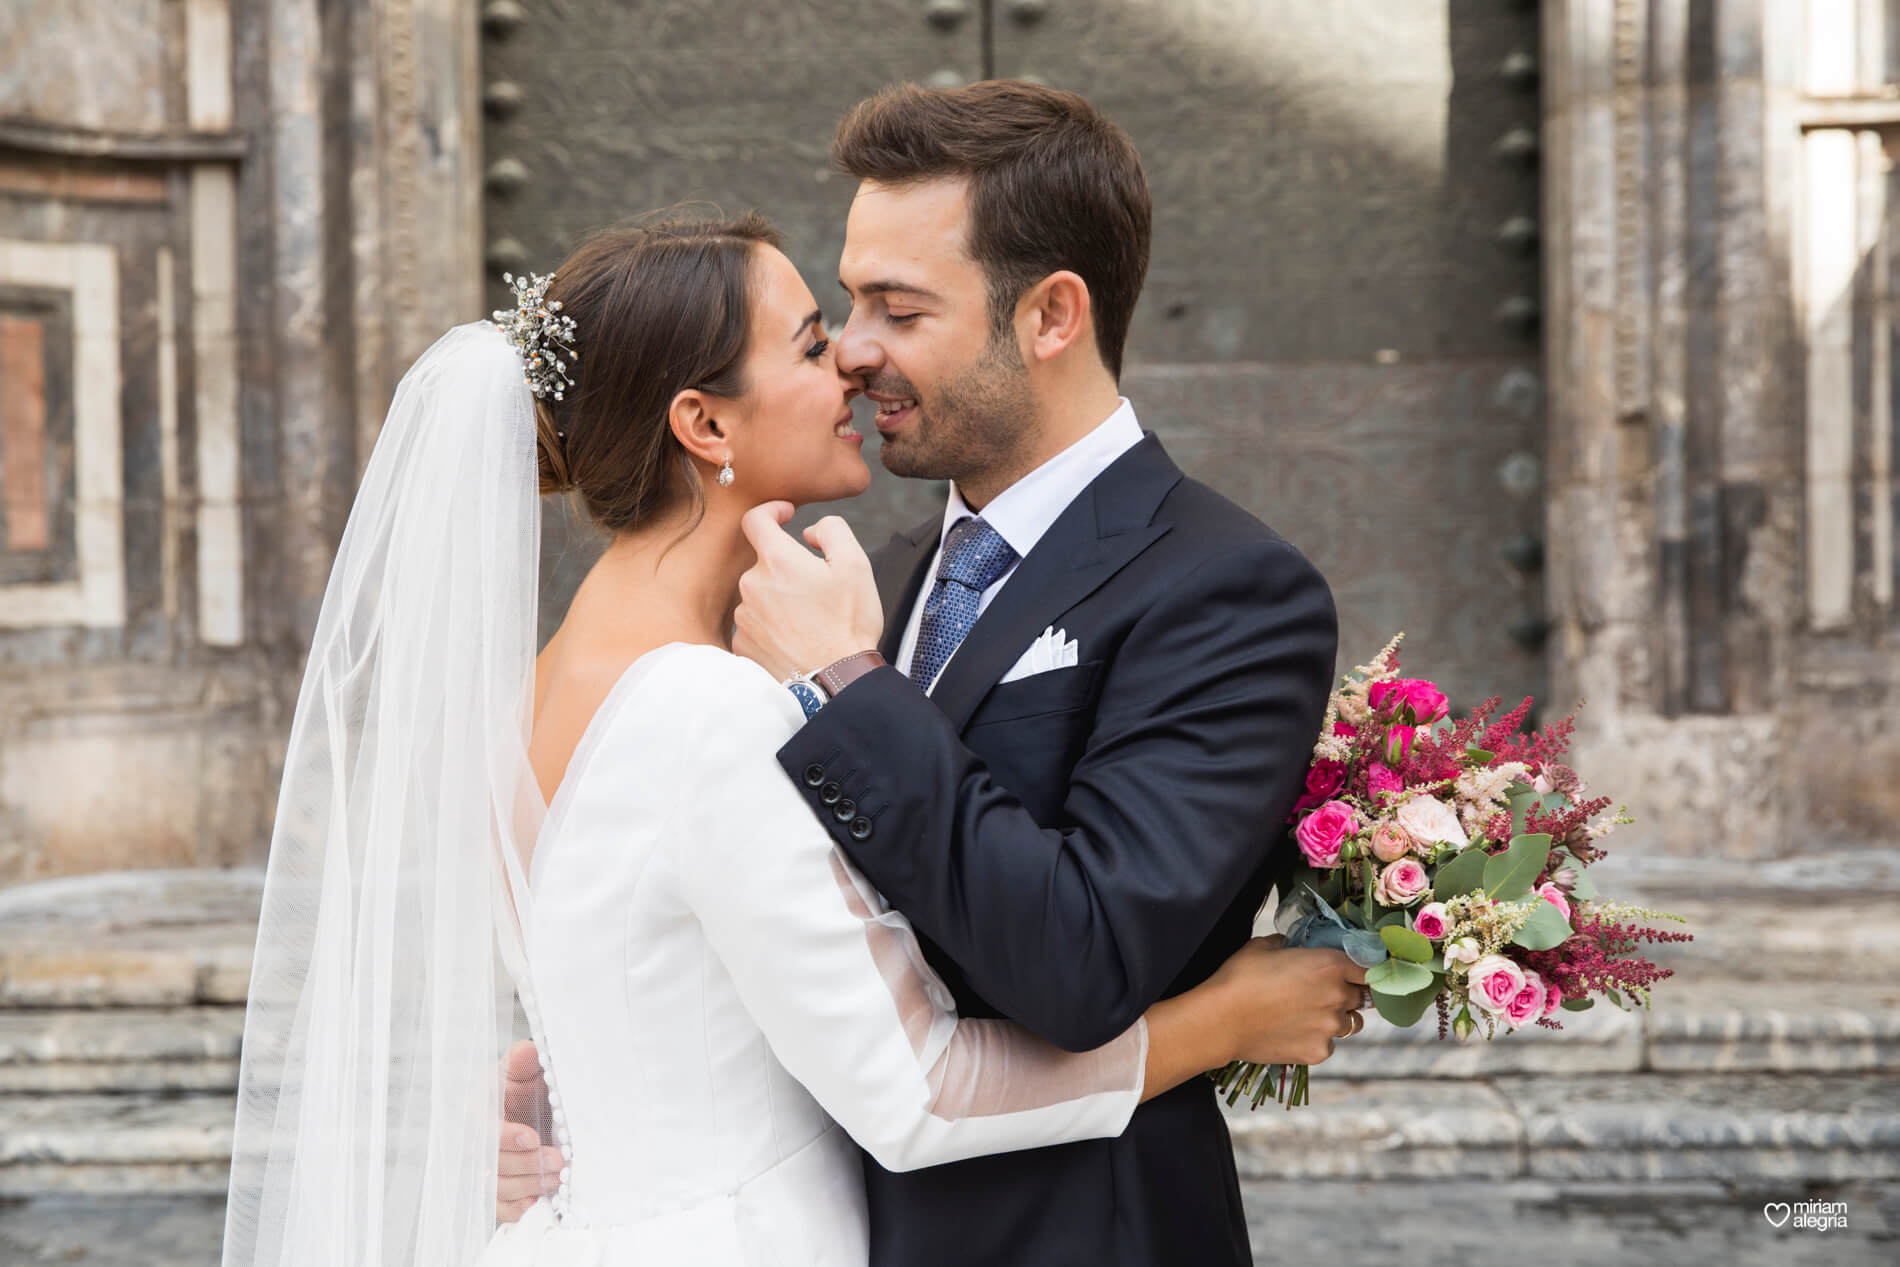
pixel 1451 860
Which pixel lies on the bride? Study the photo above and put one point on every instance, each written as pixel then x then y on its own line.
pixel 722 1004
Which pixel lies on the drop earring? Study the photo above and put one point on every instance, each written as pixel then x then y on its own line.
pixel 725 474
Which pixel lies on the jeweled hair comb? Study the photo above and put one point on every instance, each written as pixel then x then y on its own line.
pixel 540 335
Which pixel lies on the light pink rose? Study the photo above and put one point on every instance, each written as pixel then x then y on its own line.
pixel 1553 997
pixel 1431 921
pixel 1429 821
pixel 1463 951
pixel 1555 896
pixel 1528 1003
pixel 1322 832
pixel 1493 982
pixel 1389 841
pixel 1542 784
pixel 1383 778
pixel 1401 883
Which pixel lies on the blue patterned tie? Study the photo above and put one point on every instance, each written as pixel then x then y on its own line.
pixel 973 557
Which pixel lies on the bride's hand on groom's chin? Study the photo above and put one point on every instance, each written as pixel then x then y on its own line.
pixel 798 611
pixel 1288 1006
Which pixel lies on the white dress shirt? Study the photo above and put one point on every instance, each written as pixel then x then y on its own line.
pixel 1024 511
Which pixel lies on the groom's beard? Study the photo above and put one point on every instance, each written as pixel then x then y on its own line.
pixel 973 425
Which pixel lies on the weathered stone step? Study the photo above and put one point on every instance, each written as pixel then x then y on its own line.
pixel 129 939
pixel 1793 1128
pixel 120 1049
pixel 115 1143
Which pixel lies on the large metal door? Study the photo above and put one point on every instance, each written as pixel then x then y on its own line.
pixel 1340 323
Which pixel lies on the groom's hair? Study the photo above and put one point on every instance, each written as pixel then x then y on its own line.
pixel 1053 185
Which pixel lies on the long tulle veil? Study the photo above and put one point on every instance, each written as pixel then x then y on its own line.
pixel 395 904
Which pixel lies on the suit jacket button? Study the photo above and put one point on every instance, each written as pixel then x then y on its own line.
pixel 830 793
pixel 860 828
pixel 845 809
pixel 814 775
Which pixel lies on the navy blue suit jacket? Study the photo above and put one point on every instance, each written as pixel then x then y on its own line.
pixel 1076 845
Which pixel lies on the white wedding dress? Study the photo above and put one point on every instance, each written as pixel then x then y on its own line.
pixel 725 1004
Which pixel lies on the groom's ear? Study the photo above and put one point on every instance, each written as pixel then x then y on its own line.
pixel 695 426
pixel 1053 314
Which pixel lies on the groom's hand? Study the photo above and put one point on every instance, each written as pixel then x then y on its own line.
pixel 798 611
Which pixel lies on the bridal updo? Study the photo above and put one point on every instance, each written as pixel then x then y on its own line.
pixel 657 309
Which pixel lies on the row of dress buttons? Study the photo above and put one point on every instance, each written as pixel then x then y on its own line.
pixel 561 1200
pixel 843 808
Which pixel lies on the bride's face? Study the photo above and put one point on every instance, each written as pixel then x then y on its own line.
pixel 797 441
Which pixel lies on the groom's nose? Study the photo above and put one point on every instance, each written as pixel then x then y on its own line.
pixel 858 353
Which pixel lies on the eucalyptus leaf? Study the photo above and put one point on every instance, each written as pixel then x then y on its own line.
pixel 1509 875
pixel 1614 997
pixel 1331 886
pixel 1406 944
pixel 1390 919
pixel 1399 977
pixel 1403 1009
pixel 1481 755
pixel 1578 1005
pixel 1461 875
pixel 1546 928
pixel 1585 888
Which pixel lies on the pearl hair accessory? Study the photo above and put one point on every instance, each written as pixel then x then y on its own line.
pixel 539 334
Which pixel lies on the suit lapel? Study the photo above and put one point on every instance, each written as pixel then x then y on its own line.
pixel 1100 533
pixel 898 570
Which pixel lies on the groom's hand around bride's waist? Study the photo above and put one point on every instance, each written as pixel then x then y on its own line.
pixel 799 612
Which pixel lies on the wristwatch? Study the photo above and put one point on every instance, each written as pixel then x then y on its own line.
pixel 814 690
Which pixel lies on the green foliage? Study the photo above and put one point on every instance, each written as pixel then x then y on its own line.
pixel 1461 875
pixel 1406 944
pixel 1546 928
pixel 1508 875
pixel 1403 1009
pixel 1398 977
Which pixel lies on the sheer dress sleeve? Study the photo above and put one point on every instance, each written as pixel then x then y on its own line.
pixel 837 981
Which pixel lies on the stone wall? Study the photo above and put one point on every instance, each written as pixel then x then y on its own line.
pixel 225 226
pixel 1721 424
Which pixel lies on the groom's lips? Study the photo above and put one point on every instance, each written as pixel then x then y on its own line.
pixel 889 423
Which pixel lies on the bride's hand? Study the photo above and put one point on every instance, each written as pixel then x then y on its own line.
pixel 799 612
pixel 1289 1006
pixel 525 1171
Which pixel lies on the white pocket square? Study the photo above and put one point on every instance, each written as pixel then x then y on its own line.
pixel 1054 650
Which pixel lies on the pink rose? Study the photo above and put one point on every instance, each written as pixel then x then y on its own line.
pixel 1323 779
pixel 1493 982
pixel 1431 921
pixel 1389 842
pixel 1398 742
pixel 1528 1003
pixel 1553 998
pixel 1555 896
pixel 1401 883
pixel 1426 701
pixel 1322 832
pixel 1382 778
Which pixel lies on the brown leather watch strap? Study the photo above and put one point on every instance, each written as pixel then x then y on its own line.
pixel 835 677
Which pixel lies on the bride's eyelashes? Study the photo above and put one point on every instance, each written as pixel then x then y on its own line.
pixel 817 349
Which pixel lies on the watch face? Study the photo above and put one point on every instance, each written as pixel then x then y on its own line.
pixel 808 698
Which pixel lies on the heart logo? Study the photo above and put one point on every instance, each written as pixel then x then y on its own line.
pixel 1777 1212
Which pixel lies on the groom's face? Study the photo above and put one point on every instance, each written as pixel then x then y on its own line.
pixel 953 395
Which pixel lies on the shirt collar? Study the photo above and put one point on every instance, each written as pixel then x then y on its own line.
pixel 1027 509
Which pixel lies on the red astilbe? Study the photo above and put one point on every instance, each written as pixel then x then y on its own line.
pixel 1545 748
pixel 1505 734
pixel 1601 957
pixel 1569 827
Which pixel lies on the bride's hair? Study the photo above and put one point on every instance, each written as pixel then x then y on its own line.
pixel 658 309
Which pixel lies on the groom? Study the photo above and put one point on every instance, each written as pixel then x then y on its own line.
pixel 1099 682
